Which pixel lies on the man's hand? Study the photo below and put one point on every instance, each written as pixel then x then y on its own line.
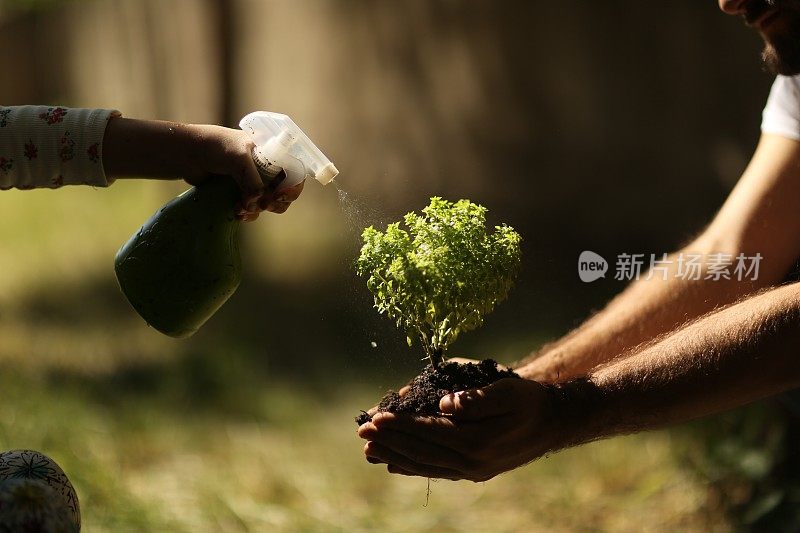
pixel 483 433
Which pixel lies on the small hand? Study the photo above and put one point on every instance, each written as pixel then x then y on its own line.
pixel 228 152
pixel 484 432
pixel 281 199
pixel 195 152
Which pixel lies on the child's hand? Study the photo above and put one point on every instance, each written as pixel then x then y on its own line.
pixel 229 152
pixel 195 153
pixel 276 202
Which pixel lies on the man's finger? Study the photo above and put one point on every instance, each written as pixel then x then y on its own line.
pixel 476 404
pixel 437 429
pixel 375 409
pixel 376 451
pixel 465 437
pixel 392 469
pixel 421 451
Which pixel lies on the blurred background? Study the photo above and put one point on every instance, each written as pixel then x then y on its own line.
pixel 616 126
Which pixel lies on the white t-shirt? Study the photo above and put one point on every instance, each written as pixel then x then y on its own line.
pixel 782 113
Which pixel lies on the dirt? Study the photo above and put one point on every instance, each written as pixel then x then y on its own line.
pixel 425 391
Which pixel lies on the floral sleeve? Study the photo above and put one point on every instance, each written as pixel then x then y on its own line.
pixel 47 147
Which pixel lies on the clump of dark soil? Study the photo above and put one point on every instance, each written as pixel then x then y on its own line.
pixel 427 389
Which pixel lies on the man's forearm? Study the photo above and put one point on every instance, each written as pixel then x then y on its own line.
pixel 643 312
pixel 739 354
pixel 759 216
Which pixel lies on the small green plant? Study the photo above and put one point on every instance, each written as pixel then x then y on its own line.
pixel 438 278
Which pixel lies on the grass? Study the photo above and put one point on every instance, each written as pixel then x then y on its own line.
pixel 293 463
pixel 214 434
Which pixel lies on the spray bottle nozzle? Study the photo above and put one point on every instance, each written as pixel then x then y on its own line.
pixel 282 145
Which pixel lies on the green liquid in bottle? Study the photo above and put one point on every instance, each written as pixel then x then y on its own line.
pixel 184 263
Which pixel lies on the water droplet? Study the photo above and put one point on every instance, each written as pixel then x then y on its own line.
pixel 359 213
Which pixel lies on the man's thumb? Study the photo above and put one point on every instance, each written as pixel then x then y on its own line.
pixel 474 404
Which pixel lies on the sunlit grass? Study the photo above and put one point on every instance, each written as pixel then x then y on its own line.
pixel 294 463
pixel 165 435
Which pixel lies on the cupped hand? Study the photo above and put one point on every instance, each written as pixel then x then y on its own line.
pixel 482 433
pixel 463 360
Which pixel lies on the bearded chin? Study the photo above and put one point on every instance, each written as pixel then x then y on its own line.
pixel 781 54
pixel 772 62
pixel 777 62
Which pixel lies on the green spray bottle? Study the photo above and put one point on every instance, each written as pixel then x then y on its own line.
pixel 184 262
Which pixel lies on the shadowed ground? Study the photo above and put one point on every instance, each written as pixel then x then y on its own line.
pixel 249 425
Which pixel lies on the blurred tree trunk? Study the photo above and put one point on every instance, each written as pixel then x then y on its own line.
pixel 224 10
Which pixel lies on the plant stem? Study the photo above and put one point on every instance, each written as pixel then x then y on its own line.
pixel 435 357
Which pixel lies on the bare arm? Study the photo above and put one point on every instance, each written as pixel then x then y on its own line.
pixel 193 152
pixel 688 354
pixel 760 216
pixel 733 356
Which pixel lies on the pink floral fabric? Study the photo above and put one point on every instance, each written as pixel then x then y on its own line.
pixel 48 147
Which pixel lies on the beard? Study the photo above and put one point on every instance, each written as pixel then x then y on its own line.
pixel 783 59
pixel 781 54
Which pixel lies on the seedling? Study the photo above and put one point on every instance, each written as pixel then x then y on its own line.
pixel 439 273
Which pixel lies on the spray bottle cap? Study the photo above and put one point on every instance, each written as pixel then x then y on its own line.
pixel 281 143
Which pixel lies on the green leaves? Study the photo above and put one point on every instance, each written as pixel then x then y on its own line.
pixel 443 274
